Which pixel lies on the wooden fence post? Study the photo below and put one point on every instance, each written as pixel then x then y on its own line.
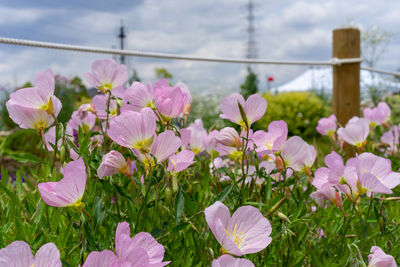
pixel 346 77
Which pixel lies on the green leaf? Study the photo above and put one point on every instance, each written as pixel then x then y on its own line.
pixel 25 157
pixel 179 205
pixel 223 194
pixel 19 185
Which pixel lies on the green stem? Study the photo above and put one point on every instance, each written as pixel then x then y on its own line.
pixel 144 203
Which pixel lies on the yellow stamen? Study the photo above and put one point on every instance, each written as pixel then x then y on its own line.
pixel 237 237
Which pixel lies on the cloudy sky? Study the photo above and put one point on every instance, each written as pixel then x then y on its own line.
pixel 284 30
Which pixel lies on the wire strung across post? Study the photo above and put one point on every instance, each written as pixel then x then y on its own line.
pixel 88 49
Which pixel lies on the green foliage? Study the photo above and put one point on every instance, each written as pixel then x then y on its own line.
pixel 394 103
pixel 300 110
pixel 250 85
pixel 162 73
pixel 207 108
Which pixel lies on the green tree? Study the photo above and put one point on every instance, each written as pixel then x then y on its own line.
pixel 134 77
pixel 162 73
pixel 250 85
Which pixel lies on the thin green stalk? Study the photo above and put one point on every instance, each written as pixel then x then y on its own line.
pixel 143 204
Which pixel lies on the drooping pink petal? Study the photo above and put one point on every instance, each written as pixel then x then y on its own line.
pixel 230 109
pixel 28 118
pixel 139 96
pixel 327 126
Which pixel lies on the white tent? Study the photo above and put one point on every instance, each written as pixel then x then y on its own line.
pixel 321 80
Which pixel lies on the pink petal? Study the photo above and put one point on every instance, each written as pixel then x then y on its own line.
pixel 18 253
pixel 229 261
pixel 164 145
pixel 105 258
pixel 255 108
pixel 47 256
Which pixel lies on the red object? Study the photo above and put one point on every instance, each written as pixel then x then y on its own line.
pixel 270 79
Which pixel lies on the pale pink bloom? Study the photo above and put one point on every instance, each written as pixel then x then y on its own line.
pixel 19 254
pixel 228 136
pixel 229 261
pixel 164 145
pixel 321 177
pixel 218 163
pixel 106 75
pixel 133 129
pixel 140 96
pixel 379 167
pixel 35 107
pixel 378 115
pixel 50 137
pixel 84 110
pixel 142 250
pixel 113 163
pixel 273 140
pixel 69 190
pixel 180 161
pixel 247 231
pixel 210 142
pixel 378 258
pixel 187 97
pixel 365 183
pixel 185 134
pixel 251 175
pixel 335 166
pixel 391 138
pixel 297 154
pixel 254 108
pixel 327 126
pixel 86 123
pixel 170 102
pixel 327 191
pixel 99 102
pixel 355 132
pixel 197 136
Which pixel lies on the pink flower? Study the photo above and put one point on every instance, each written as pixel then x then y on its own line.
pixel 273 140
pixel 378 258
pixel 142 250
pixel 35 107
pixel 133 129
pixel 180 161
pixel 19 254
pixel 254 108
pixel 247 231
pixel 228 136
pixel 355 133
pixel 187 97
pixel 69 190
pixel 140 96
pixel 210 142
pixel 391 138
pixel 327 126
pixel 113 163
pixel 378 115
pixel 99 103
pixel 195 135
pixel 170 102
pixel 335 167
pixel 106 75
pixel 297 154
pixel 164 145
pixel 379 167
pixel 86 124
pixel 327 192
pixel 229 261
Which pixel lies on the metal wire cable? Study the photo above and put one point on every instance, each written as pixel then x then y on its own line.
pixel 22 42
pixel 397 74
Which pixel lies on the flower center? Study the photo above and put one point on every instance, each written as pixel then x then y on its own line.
pixel 105 87
pixel 49 107
pixel 237 237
